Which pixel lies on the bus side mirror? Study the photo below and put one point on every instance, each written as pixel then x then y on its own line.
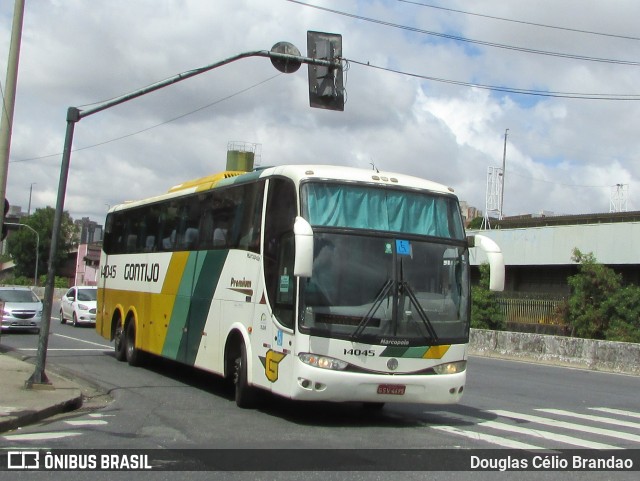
pixel 303 233
pixel 496 261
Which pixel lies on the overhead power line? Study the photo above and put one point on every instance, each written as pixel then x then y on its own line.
pixel 146 129
pixel 512 90
pixel 523 22
pixel 472 41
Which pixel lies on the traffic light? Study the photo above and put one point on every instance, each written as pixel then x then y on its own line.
pixel 326 85
pixel 5 229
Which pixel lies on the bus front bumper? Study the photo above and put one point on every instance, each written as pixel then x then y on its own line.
pixel 316 384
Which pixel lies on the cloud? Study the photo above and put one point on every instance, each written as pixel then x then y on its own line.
pixel 563 155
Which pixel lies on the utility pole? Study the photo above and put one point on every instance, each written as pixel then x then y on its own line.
pixel 30 193
pixel 6 120
pixel 504 160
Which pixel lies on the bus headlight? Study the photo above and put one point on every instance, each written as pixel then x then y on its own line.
pixel 451 367
pixel 323 362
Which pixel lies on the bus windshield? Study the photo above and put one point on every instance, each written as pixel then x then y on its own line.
pixel 393 210
pixel 398 276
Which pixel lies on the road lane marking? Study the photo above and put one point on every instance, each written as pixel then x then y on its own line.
pixel 49 349
pixel 81 340
pixel 566 425
pixel 620 412
pixel 588 417
pixel 507 443
pixel 536 433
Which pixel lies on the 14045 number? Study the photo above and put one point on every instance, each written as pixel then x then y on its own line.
pixel 360 352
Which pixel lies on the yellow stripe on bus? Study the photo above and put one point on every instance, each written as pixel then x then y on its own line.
pixel 436 352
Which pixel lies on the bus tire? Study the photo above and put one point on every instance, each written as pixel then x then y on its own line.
pixel 246 396
pixel 132 354
pixel 120 342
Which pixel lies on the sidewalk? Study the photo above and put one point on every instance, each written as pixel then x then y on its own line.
pixel 20 406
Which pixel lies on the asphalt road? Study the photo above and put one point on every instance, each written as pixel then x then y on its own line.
pixel 164 405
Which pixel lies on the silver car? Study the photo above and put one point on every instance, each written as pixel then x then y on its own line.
pixel 21 309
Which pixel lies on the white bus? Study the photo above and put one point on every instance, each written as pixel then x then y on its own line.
pixel 313 282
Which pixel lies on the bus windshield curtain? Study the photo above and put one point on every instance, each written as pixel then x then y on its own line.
pixel 334 205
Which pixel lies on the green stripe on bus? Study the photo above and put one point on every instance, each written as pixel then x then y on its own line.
pixel 209 268
pixel 406 352
pixel 192 304
pixel 180 312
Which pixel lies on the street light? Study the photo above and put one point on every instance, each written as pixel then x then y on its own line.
pixel 35 276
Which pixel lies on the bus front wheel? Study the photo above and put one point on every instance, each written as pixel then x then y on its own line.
pixel 246 395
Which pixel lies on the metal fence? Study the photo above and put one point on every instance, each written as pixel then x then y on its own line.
pixel 530 310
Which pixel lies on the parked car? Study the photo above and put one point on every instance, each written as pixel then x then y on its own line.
pixel 22 309
pixel 79 305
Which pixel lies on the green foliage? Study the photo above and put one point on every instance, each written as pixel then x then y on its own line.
pixel 623 311
pixel 22 242
pixel 599 307
pixel 476 223
pixel 59 282
pixel 18 281
pixel 590 288
pixel 485 309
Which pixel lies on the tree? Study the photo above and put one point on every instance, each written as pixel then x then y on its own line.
pixel 21 244
pixel 623 312
pixel 476 223
pixel 485 309
pixel 591 288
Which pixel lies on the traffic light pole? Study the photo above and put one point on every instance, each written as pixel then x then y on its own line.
pixel 285 62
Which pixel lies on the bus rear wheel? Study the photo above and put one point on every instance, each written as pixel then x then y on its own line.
pixel 120 343
pixel 246 396
pixel 132 354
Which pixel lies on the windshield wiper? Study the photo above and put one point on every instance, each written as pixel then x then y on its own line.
pixel 405 288
pixel 382 295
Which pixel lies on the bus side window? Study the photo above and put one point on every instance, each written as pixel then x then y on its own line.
pixel 167 227
pixel 213 224
pixel 251 216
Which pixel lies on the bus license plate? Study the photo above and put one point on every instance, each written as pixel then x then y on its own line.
pixel 397 389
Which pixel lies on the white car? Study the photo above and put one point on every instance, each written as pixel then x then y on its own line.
pixel 79 305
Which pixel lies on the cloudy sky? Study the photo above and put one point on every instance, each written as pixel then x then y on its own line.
pixel 417 100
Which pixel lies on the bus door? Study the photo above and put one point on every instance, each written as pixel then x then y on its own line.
pixel 278 317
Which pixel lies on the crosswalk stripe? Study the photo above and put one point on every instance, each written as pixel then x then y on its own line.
pixel 86 422
pixel 619 412
pixel 588 417
pixel 39 436
pixel 566 425
pixel 507 443
pixel 536 433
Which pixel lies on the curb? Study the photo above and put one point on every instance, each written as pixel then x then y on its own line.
pixel 31 416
